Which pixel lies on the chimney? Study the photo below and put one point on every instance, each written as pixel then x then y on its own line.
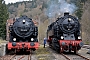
pixel 66 13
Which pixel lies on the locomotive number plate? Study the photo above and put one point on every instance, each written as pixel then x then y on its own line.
pixel 23 29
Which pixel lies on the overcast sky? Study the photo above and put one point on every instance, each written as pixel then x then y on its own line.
pixel 13 1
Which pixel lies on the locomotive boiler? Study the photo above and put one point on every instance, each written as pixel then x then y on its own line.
pixel 23 35
pixel 65 34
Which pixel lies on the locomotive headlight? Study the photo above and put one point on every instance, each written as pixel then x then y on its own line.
pixel 62 37
pixel 69 19
pixel 24 21
pixel 14 39
pixel 79 37
pixel 32 39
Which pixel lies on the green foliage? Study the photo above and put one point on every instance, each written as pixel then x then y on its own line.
pixel 79 4
pixel 34 4
pixel 25 10
pixel 45 5
pixel 3 18
pixel 79 13
pixel 83 1
pixel 87 42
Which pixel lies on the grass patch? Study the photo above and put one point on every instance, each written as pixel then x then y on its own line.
pixel 46 58
pixel 42 50
pixel 2 41
pixel 44 54
pixel 42 57
pixel 87 42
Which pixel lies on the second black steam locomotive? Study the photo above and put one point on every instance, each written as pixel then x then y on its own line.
pixel 23 35
pixel 64 34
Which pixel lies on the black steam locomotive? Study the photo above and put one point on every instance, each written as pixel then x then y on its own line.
pixel 23 29
pixel 23 34
pixel 64 34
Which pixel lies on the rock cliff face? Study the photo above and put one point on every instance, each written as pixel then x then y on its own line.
pixel 86 23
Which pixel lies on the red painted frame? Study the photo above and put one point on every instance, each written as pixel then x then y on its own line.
pixel 19 45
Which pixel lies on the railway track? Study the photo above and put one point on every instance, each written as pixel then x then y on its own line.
pixel 21 57
pixel 17 57
pixel 74 57
pixel 68 56
pixel 29 57
pixel 12 57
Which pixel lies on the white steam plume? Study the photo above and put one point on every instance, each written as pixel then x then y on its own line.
pixel 58 8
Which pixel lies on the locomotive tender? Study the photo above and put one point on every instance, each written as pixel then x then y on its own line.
pixel 64 34
pixel 23 35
